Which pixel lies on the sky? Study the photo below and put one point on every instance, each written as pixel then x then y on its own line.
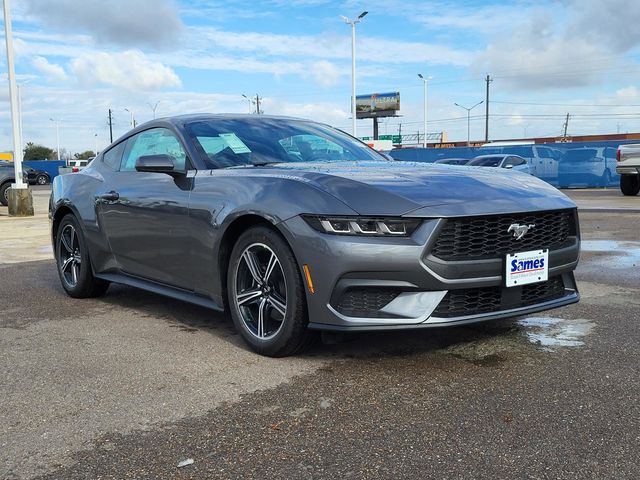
pixel 75 59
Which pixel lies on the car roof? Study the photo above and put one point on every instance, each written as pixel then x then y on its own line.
pixel 180 120
pixel 495 155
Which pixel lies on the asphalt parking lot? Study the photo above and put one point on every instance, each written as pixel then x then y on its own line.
pixel 131 384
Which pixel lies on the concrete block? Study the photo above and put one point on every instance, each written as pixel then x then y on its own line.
pixel 20 202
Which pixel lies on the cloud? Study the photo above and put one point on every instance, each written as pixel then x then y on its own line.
pixel 130 70
pixel 540 52
pixel 329 46
pixel 52 70
pixel 149 23
pixel 325 73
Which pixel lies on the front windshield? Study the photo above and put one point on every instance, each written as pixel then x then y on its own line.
pixel 485 162
pixel 258 141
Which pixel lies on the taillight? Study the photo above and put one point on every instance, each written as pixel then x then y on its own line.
pixel 618 155
pixel 75 170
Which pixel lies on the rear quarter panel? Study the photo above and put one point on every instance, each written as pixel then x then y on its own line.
pixel 76 192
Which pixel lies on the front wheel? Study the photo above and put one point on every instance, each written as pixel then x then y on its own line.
pixel 266 295
pixel 630 184
pixel 72 260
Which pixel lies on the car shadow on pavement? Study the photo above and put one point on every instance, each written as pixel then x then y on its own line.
pixel 190 318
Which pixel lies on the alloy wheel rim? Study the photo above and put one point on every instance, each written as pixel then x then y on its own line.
pixel 42 180
pixel 260 292
pixel 69 257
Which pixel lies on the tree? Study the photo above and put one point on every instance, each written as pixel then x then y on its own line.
pixel 33 151
pixel 86 155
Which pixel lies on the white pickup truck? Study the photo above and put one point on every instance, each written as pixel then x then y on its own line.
pixel 628 166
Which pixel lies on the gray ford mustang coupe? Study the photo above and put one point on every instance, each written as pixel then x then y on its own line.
pixel 294 227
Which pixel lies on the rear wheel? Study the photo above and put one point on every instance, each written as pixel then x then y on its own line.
pixel 266 295
pixel 630 184
pixel 42 179
pixel 4 193
pixel 72 260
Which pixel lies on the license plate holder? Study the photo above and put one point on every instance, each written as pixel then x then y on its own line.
pixel 523 268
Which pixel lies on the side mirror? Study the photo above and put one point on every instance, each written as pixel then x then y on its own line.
pixel 161 163
pixel 508 166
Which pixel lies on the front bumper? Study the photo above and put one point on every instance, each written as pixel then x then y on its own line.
pixel 418 281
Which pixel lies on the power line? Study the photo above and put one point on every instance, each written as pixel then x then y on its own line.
pixel 566 104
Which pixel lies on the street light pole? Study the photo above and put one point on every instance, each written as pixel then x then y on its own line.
pixel 424 81
pixel 57 122
pixel 133 120
pixel 468 118
pixel 154 107
pixel 251 102
pixel 353 67
pixel 95 139
pixel 13 99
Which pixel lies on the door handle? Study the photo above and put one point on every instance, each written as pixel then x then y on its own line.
pixel 109 196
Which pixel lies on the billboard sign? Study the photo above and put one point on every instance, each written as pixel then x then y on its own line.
pixel 377 105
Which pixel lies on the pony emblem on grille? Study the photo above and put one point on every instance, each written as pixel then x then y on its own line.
pixel 518 230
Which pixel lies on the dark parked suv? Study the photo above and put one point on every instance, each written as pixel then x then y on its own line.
pixel 6 179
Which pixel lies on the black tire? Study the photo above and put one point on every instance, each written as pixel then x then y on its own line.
pixel 4 193
pixel 290 334
pixel 78 269
pixel 42 179
pixel 630 184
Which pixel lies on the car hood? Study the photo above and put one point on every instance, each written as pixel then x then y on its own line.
pixel 399 188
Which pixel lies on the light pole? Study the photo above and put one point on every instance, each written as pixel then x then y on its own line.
pixel 425 80
pixel 22 201
pixel 57 122
pixel 353 67
pixel 468 117
pixel 133 120
pixel 154 107
pixel 251 102
pixel 95 143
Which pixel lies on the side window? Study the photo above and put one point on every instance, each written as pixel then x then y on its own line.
pixel 113 156
pixel 515 161
pixel 155 141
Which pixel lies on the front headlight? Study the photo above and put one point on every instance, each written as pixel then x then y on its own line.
pixel 370 226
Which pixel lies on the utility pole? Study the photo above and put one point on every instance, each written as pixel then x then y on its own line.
pixel 258 104
pixel 400 132
pixel 566 125
pixel 110 127
pixel 486 119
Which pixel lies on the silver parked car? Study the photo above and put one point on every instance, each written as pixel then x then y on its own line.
pixel 513 162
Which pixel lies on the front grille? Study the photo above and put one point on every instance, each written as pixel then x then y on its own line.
pixel 474 301
pixel 471 238
pixel 365 301
pixel 543 291
pixel 469 301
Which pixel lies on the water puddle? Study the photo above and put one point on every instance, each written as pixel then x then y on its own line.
pixel 551 333
pixel 626 253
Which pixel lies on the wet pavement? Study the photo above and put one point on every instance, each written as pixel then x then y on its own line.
pixel 132 384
